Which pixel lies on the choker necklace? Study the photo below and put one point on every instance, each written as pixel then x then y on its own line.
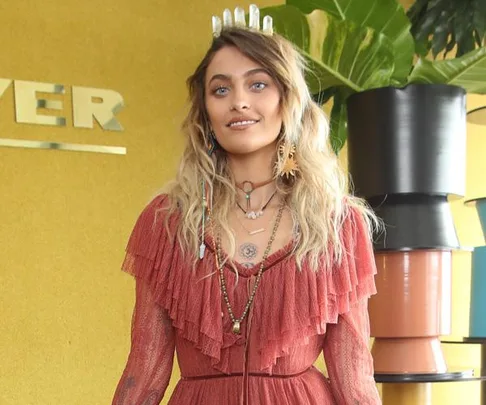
pixel 220 265
pixel 256 214
pixel 248 187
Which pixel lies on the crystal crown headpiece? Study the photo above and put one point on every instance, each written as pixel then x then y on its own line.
pixel 239 21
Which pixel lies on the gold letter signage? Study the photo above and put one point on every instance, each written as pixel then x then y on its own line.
pixel 85 108
pixel 43 104
pixel 27 103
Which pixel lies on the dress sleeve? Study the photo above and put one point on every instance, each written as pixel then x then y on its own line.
pixel 149 365
pixel 346 351
pixel 150 361
pixel 348 359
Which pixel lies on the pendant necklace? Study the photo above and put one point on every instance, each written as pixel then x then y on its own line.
pixel 236 328
pixel 250 232
pixel 259 213
pixel 248 187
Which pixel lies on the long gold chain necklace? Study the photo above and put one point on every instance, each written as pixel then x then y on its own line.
pixel 237 321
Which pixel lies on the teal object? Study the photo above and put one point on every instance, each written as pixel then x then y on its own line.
pixel 481 208
pixel 477 320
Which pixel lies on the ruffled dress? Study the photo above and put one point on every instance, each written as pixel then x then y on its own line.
pixel 295 316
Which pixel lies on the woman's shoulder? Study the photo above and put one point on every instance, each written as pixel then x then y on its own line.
pixel 160 209
pixel 159 203
pixel 353 277
pixel 152 239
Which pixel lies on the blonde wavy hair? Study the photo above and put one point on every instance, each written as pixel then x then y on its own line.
pixel 317 197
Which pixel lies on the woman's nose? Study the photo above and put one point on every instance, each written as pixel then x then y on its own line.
pixel 240 100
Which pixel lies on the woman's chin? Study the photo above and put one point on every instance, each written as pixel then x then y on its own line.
pixel 250 148
pixel 244 151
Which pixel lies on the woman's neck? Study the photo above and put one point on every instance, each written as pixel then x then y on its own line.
pixel 254 179
pixel 255 167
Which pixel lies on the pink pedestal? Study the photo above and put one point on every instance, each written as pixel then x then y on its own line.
pixel 411 310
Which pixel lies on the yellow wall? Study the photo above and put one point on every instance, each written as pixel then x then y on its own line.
pixel 66 216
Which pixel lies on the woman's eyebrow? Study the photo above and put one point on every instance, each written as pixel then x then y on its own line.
pixel 250 72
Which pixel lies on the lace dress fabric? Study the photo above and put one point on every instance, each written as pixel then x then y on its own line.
pixel 151 356
pixel 295 316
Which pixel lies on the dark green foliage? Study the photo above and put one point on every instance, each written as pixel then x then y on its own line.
pixel 439 26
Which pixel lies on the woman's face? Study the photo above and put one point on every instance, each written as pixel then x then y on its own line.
pixel 243 103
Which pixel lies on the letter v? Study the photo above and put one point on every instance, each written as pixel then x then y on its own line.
pixel 4 83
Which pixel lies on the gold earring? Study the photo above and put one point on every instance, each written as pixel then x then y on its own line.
pixel 289 166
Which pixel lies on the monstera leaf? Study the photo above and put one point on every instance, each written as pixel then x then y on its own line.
pixel 384 16
pixel 340 54
pixel 468 71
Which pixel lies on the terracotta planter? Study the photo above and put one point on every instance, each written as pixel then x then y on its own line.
pixel 406 154
pixel 411 310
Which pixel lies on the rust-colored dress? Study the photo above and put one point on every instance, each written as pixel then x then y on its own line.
pixel 295 315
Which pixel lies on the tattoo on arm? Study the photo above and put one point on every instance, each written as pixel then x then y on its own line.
pixel 152 398
pixel 166 323
pixel 127 384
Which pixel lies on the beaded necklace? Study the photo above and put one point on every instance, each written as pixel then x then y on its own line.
pixel 220 265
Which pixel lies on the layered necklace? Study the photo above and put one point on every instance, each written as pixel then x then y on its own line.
pixel 256 231
pixel 236 328
pixel 249 187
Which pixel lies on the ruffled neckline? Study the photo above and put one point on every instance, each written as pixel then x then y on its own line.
pixel 310 300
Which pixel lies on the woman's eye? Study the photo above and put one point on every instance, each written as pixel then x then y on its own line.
pixel 220 91
pixel 259 85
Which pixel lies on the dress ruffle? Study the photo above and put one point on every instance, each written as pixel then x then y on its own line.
pixel 153 254
pixel 287 316
pixel 310 300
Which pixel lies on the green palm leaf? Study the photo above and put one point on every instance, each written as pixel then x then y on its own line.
pixel 468 71
pixel 384 16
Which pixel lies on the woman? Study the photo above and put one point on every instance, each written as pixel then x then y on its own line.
pixel 255 260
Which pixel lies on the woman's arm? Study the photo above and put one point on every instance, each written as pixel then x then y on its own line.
pixel 348 359
pixel 149 365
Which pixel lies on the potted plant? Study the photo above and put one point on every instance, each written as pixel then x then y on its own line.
pixel 355 45
pixel 404 119
pixel 362 57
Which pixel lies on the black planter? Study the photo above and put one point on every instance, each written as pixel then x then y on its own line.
pixel 408 140
pixel 406 153
pixel 415 221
